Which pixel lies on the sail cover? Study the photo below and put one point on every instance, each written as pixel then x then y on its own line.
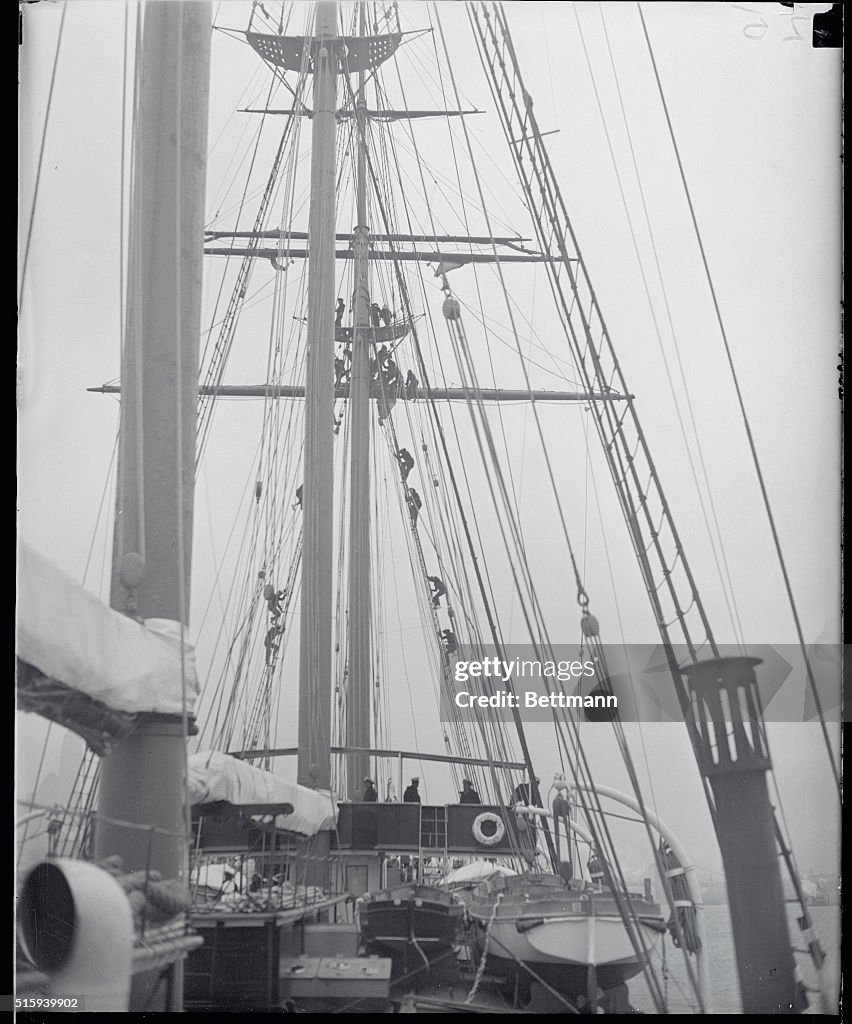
pixel 214 776
pixel 78 657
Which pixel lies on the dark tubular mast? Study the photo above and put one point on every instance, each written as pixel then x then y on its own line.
pixel 733 757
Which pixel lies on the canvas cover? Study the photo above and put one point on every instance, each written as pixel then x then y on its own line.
pixel 73 640
pixel 215 776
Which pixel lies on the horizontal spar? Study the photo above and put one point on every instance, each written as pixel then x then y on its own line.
pixel 376 115
pixel 377 237
pixel 439 394
pixel 409 755
pixel 380 254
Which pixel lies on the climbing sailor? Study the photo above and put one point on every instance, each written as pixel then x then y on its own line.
pixel 271 642
pixel 273 599
pixel 340 371
pixel 339 310
pixel 406 462
pixel 438 590
pixel 414 505
pixel 449 638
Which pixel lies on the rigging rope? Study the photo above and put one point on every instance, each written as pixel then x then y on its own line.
pixel 383 208
pixel 746 422
pixel 42 147
pixel 460 338
pixel 727 591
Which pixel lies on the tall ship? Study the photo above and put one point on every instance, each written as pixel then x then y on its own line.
pixel 364 727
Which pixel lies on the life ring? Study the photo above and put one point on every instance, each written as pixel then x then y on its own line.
pixel 499 828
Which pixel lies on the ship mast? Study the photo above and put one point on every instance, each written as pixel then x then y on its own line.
pixel 318 492
pixel 142 813
pixel 358 692
pixel 142 779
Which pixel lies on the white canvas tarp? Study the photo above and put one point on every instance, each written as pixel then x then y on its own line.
pixel 72 637
pixel 215 776
pixel 477 871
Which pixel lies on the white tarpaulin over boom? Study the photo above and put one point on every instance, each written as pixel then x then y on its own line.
pixel 216 776
pixel 72 637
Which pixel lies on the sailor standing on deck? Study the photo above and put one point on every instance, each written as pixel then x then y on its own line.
pixel 386 315
pixel 376 315
pixel 412 793
pixel 370 795
pixel 339 310
pixel 229 881
pixel 468 794
pixel 522 793
pixel 596 870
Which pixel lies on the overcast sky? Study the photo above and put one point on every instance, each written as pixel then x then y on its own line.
pixel 756 114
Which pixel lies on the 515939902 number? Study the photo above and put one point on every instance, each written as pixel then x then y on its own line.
pixel 48 1003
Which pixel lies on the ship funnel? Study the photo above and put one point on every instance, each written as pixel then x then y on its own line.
pixel 76 925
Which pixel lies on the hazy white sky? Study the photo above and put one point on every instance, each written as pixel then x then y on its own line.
pixel 756 112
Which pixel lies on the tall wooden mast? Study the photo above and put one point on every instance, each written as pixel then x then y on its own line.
pixel 318 496
pixel 142 780
pixel 358 689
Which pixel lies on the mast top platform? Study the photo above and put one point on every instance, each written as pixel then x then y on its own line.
pixel 354 53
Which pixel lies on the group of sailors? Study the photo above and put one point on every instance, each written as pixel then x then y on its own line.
pixel 378 315
pixel 523 793
pixel 274 603
pixel 384 372
pixel 414 502
pixel 467 794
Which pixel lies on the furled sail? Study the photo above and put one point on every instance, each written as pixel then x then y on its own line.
pixel 88 667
